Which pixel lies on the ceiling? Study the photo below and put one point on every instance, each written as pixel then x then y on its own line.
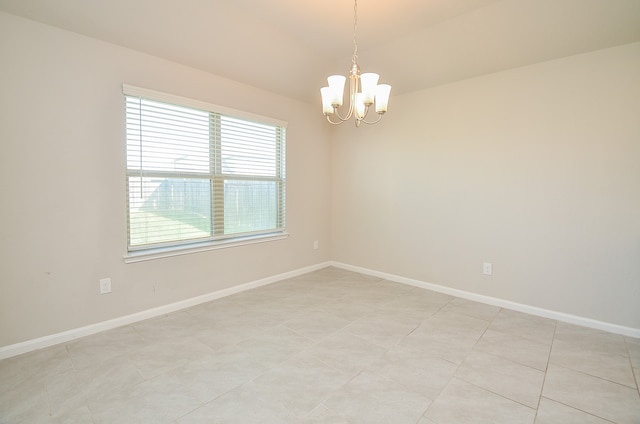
pixel 290 46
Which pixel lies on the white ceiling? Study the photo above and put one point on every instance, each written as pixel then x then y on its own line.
pixel 290 46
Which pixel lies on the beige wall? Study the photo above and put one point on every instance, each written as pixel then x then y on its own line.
pixel 536 170
pixel 63 184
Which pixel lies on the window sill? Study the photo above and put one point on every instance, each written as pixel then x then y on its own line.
pixel 166 252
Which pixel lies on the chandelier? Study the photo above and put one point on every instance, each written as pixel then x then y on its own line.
pixel 364 90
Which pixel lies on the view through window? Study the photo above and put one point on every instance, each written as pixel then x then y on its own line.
pixel 197 175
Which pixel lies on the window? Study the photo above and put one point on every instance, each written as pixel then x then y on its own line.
pixel 200 173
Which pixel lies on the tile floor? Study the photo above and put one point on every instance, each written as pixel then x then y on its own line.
pixel 331 347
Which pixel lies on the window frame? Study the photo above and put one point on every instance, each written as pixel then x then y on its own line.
pixel 216 178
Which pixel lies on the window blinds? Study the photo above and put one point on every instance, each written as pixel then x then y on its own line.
pixel 195 174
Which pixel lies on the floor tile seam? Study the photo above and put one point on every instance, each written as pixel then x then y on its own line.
pixel 576 347
pixel 461 312
pixel 477 349
pixel 498 394
pixel 577 409
pixel 405 386
pixel 429 317
pixel 437 397
pixel 321 338
pixel 342 416
pixel 125 387
pixel 387 347
pixel 324 398
pixel 125 355
pixel 521 338
pixel 623 386
pixel 444 386
pixel 546 370
pixel 590 374
pixel 636 377
pixel 316 357
pixel 510 359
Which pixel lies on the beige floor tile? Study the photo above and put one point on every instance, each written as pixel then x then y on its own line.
pixel 161 358
pixel 323 415
pixel 597 362
pixel 73 390
pixel 342 308
pixel 454 350
pixel 463 403
pixel 275 345
pixel 25 403
pixel 247 404
pixel 217 311
pixel 372 399
pixel 590 339
pixel 514 381
pixel 264 316
pixel 447 335
pixel 391 288
pixel 81 415
pixel 91 350
pixel 368 297
pixel 227 333
pixel 382 330
pixel 312 299
pixel 160 400
pixel 255 297
pixel 346 352
pixel 425 420
pixel 214 376
pixel 34 368
pixel 593 395
pixel 457 323
pixel 550 412
pixel 530 327
pixel 416 305
pixel 633 348
pixel 515 348
pixel 403 310
pixel 473 309
pixel 316 324
pixel 302 383
pixel 168 328
pixel 420 299
pixel 414 370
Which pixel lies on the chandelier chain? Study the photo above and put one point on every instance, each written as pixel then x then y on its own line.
pixel 355 30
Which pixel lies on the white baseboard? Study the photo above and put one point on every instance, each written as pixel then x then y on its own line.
pixel 66 336
pixel 559 316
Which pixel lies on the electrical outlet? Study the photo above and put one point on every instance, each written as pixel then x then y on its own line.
pixel 487 268
pixel 315 245
pixel 105 285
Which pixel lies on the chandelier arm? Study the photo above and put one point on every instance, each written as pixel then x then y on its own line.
pixel 335 123
pixel 340 118
pixel 372 122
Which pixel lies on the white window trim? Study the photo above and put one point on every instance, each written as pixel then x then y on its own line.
pixel 167 252
pixel 134 256
pixel 131 90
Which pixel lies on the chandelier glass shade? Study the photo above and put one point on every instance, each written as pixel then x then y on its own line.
pixel 364 91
